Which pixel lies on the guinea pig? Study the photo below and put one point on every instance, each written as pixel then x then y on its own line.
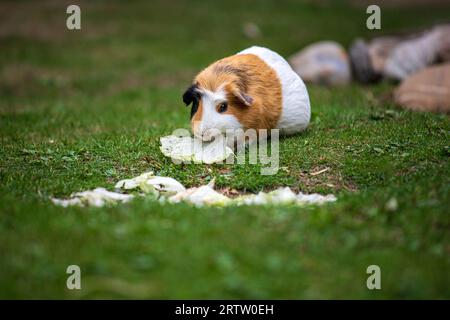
pixel 253 89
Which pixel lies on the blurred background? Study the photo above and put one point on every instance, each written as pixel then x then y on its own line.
pixel 162 44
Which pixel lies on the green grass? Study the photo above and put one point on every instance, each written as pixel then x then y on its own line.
pixel 84 109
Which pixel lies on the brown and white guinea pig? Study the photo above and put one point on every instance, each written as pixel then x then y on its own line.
pixel 253 89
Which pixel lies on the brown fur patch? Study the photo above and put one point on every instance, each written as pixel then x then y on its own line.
pixel 248 75
pixel 195 121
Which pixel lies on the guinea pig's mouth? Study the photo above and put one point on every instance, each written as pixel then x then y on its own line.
pixel 204 137
pixel 208 136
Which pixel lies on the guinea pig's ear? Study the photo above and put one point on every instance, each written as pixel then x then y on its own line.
pixel 243 97
pixel 191 95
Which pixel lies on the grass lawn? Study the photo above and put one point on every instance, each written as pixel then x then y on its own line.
pixel 82 109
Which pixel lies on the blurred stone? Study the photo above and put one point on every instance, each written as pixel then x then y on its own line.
pixel 324 63
pixel 427 90
pixel 361 63
pixel 368 59
pixel 443 54
pixel 413 55
pixel 251 30
pixel 396 57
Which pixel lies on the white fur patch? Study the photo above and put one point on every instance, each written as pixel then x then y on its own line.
pixel 296 110
pixel 211 119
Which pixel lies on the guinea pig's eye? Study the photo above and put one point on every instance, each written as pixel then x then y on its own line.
pixel 222 107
